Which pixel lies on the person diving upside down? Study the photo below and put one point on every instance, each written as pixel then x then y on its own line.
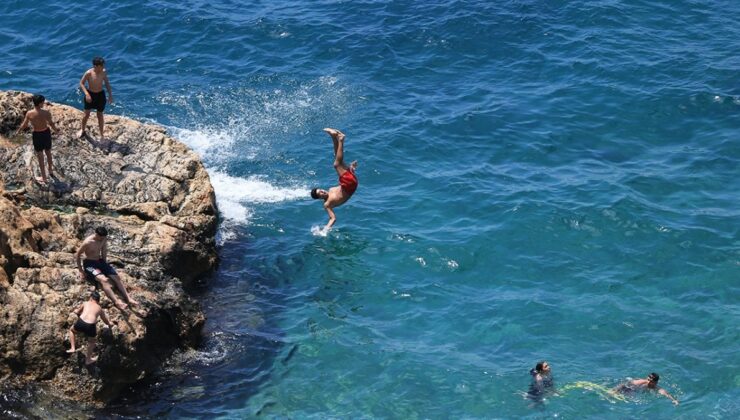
pixel 336 196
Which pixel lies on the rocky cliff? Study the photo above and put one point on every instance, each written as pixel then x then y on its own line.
pixel 155 199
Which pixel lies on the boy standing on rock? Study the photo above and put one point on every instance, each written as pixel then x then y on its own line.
pixel 40 119
pixel 88 314
pixel 94 94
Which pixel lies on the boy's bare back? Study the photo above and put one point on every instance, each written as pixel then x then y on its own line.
pixel 39 118
pixel 90 311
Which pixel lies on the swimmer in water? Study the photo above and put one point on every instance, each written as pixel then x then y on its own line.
pixel 541 380
pixel 649 383
pixel 336 196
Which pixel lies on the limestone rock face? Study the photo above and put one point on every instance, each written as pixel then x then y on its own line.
pixel 154 197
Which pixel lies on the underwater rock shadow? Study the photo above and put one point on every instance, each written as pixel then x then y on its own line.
pixel 232 362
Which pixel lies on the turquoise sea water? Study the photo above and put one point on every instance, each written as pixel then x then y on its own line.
pixel 550 180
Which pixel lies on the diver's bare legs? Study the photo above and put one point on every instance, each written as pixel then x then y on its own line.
pixel 337 137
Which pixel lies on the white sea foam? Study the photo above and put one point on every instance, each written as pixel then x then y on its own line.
pixel 249 125
pixel 249 121
pixel 235 194
pixel 226 232
pixel 254 189
pixel 207 142
pixel 319 231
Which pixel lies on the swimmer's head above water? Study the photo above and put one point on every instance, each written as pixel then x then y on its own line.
pixel 542 367
pixel 653 379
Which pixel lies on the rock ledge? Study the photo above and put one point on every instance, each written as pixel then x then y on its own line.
pixel 155 198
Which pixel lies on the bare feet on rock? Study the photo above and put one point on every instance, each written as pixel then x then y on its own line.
pixel 91 360
pixel 72 350
pixel 81 134
pixel 121 305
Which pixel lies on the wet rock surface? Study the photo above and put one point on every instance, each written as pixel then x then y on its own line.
pixel 155 199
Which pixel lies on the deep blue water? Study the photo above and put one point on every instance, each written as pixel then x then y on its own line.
pixel 539 180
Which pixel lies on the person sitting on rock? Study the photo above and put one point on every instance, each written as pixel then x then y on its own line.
pixel 88 314
pixel 95 249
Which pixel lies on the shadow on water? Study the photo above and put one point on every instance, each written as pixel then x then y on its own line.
pixel 31 402
pixel 244 346
pixel 241 342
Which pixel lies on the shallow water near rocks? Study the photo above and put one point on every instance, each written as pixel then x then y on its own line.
pixel 538 180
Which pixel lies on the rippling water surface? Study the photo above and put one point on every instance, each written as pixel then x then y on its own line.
pixel 538 180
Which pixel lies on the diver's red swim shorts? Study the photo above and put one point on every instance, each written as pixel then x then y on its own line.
pixel 348 181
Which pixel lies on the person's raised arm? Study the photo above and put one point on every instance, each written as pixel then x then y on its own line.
pixel 665 393
pixel 107 86
pixel 88 98
pixel 23 126
pixel 332 216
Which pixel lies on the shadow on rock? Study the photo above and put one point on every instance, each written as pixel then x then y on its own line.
pixel 108 146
